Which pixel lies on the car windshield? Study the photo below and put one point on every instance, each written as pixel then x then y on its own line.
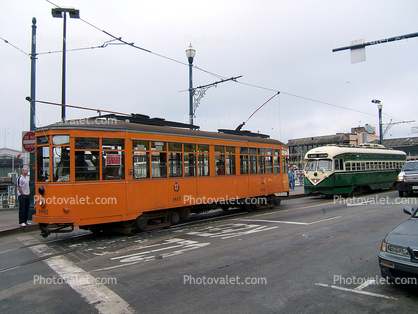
pixel 410 166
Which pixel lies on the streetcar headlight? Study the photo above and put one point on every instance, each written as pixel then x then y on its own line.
pixel 41 202
pixel 41 190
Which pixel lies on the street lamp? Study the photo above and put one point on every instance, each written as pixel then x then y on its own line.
pixel 75 14
pixel 190 53
pixel 380 106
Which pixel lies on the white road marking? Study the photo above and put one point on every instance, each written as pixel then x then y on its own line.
pixel 290 222
pixel 230 230
pixel 170 247
pixel 96 294
pixel 356 290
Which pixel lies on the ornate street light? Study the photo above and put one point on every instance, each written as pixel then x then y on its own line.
pixel 190 53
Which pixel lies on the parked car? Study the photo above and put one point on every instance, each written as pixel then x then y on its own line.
pixel 398 257
pixel 408 178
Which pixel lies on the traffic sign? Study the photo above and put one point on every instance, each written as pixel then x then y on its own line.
pixel 28 141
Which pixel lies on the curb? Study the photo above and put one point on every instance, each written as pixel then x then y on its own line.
pixel 16 230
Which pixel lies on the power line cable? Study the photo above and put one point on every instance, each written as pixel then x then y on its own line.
pixel 7 42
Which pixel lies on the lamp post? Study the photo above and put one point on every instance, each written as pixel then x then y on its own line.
pixel 379 106
pixel 75 14
pixel 190 53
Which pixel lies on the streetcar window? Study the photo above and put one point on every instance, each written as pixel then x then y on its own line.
pixel 261 151
pixel 276 163
pixel 367 166
pixel 190 148
pixel 140 145
pixel 42 164
pixel 203 148
pixel 285 160
pixel 203 164
pixel 358 166
pixel 60 139
pixel 113 143
pixel 174 147
pixel 311 165
pixel 141 165
pixel 189 164
pixel 159 146
pixel 86 143
pixel 269 164
pixel 230 164
pixel 113 165
pixel 253 164
pixel 261 164
pixel 230 149
pixel 243 162
pixel 61 160
pixel 42 140
pixel 175 164
pixel 219 149
pixel 338 164
pixel 363 166
pixel 325 165
pixel 269 151
pixel 243 150
pixel 253 151
pixel 219 165
pixel 159 165
pixel 87 165
pixel 347 166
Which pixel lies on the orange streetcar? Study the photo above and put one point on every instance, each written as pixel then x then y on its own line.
pixel 135 173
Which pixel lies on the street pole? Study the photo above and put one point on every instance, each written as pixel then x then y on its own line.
pixel 32 119
pixel 190 53
pixel 64 53
pixel 379 106
pixel 62 13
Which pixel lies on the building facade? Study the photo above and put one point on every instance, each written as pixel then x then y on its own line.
pixel 299 147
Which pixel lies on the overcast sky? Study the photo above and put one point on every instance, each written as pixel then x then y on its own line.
pixel 276 45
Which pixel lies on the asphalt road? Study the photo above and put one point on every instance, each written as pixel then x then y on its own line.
pixel 309 255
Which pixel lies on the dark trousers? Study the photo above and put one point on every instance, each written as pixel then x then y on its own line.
pixel 23 208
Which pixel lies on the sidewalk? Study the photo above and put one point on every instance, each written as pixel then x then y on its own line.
pixel 9 222
pixel 9 217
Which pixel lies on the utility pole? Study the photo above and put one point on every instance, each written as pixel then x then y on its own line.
pixel 32 118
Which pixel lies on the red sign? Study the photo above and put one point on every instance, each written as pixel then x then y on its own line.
pixel 28 141
pixel 113 159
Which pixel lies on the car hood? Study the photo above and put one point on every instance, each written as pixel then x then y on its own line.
pixel 406 234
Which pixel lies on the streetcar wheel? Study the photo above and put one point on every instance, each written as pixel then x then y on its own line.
pixel 224 207
pixel 141 223
pixel 174 217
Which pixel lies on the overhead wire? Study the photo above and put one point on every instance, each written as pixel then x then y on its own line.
pixel 7 42
pixel 186 64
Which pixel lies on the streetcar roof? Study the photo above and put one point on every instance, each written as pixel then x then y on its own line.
pixel 91 124
pixel 337 150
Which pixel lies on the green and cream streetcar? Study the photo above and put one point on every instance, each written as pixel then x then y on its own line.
pixel 346 170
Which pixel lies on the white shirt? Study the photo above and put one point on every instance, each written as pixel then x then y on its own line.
pixel 23 182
